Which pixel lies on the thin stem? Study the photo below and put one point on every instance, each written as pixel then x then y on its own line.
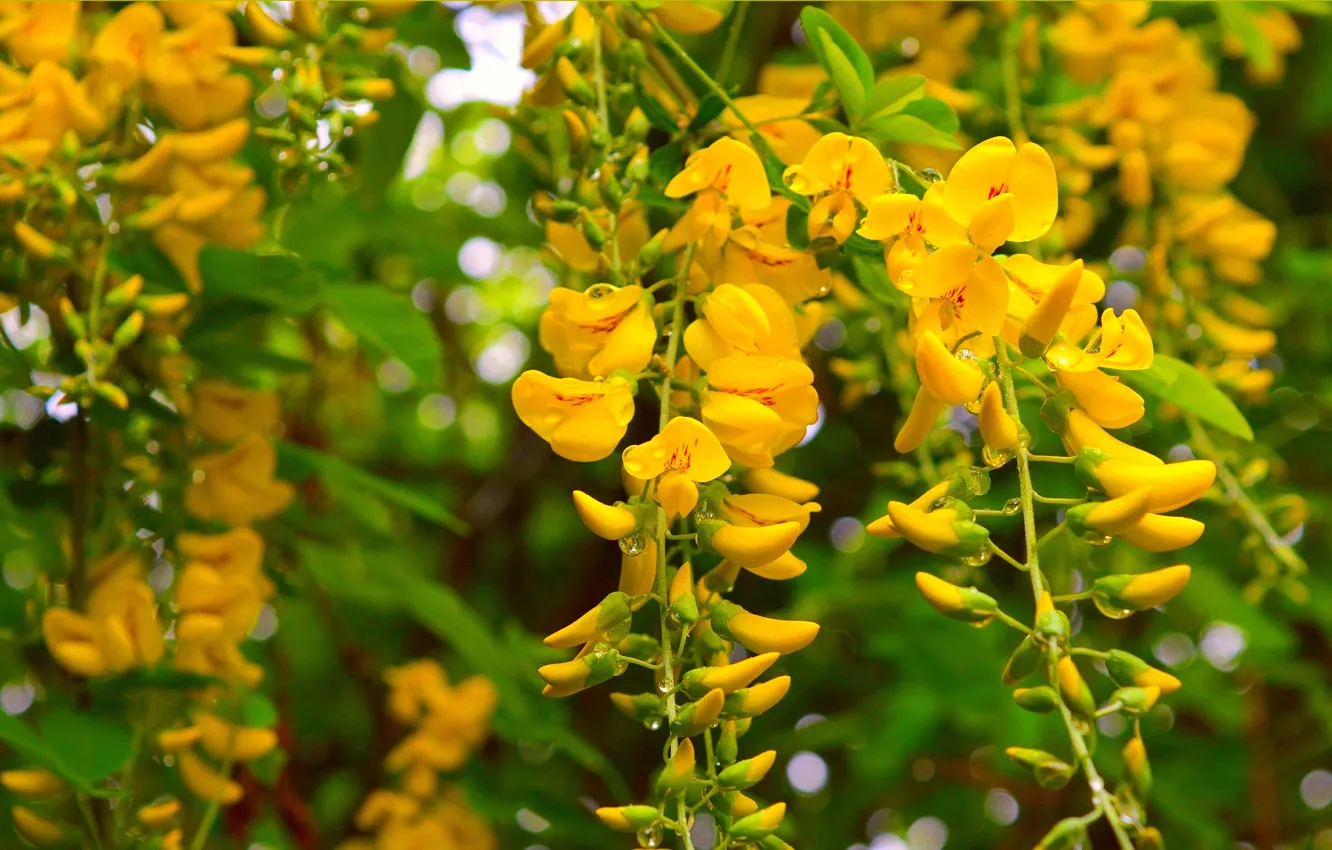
pixel 732 41
pixel 603 112
pixel 1048 390
pixel 1005 556
pixel 1072 597
pixel 215 804
pixel 639 662
pixel 1089 652
pixel 1025 490
pixel 1011 621
pixel 1109 708
pixel 1058 500
pixel 1051 459
pixel 1051 534
pixel 90 818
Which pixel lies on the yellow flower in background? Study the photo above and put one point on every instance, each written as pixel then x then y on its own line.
pixel 759 406
pixel 222 588
pixel 725 175
pixel 574 249
pixel 1233 237
pixel 752 319
pixel 595 332
pixel 582 420
pixel 685 454
pixel 840 171
pixel 225 413
pixel 189 78
pixel 995 167
pixel 41 31
pixel 125 46
pixel 691 17
pixel 47 103
pixel 237 487
pixel 789 136
pixel 119 629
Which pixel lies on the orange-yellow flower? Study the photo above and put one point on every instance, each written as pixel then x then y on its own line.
pixel 685 454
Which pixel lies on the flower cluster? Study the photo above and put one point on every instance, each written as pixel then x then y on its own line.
pixel 449 723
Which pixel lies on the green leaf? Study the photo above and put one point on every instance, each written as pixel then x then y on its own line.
pixel 90 748
pixel 16 734
pixel 934 112
pixel 891 94
pixel 1182 385
pixel 708 108
pixel 280 281
pixel 814 21
pixel 910 129
pixel 873 278
pixel 850 90
pixel 657 115
pixel 337 474
pixel 664 162
pixel 797 227
pixel 259 710
pixel 389 322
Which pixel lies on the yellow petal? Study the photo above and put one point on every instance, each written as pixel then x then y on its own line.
pixel 677 494
pixel 754 547
pixel 997 427
pixel 205 782
pixel 609 522
pixel 946 378
pixel 920 422
pixel 1157 533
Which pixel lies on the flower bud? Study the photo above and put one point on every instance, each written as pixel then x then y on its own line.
pixel 883 526
pixel 205 782
pixel 651 250
pixel 574 85
pixel 699 716
pixel 1157 533
pixel 946 530
pixel 263 28
pixel 761 634
pixel 675 776
pixel 1051 624
pixel 1044 320
pixel 1135 701
pixel 727 742
pixel 997 427
pixel 38 244
pixel 774 483
pixel 1040 700
pixel 641 707
pixel 129 329
pixel 1172 485
pixel 1135 179
pixel 373 88
pixel 1137 768
pixel 1096 519
pixel 158 815
pixel 223 740
pixel 760 823
pixel 730 678
pixel 37 829
pixel 748 547
pixel 33 784
pixel 1024 661
pixel 610 522
pixel 72 319
pixel 1065 418
pixel 609 620
pixel 577 132
pixel 751 771
pixel 628 818
pixel 1048 770
pixel 756 699
pixel 920 422
pixel 124 293
pixel 1118 596
pixel 177 740
pixel 1076 693
pixel 966 604
pixel 1127 669
pixel 946 377
pixel 735 804
pixel 569 677
pixel 772 842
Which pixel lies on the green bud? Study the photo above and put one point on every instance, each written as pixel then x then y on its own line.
pixel 967 484
pixel 602 667
pixel 1024 661
pixel 1053 626
pixel 1151 839
pixel 1136 701
pixel 611 190
pixel 565 210
pixel 1056 408
pixel 641 707
pixel 685 609
pixel 1040 700
pixel 772 842
pixel 759 824
pixel 111 393
pixel 72 319
pixel 1068 834
pixel 636 126
pixel 651 250
pixel 129 329
pixel 1048 770
pixel 727 744
pixel 640 646
pixel 744 774
pixel 596 237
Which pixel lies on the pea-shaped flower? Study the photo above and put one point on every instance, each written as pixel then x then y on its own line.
pixel 684 454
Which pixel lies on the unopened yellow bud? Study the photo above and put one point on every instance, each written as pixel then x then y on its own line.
pixel 699 716
pixel 756 699
pixel 728 679
pixel 307 20
pixel 607 521
pixel 609 620
pixel 761 634
pixel 1235 339
pixel 883 526
pixel 37 829
pixel 34 784
pixel 221 142
pixel 1045 318
pixel 959 603
pixel 1074 688
pixel 759 824
pixel 1172 485
pixel 264 28
pixel 1112 516
pixel 1119 596
pixel 997 427
pixel 946 378
pixel 1127 669
pixel 920 422
pixel 749 772
pixel 38 244
pixel 678 771
pixel 946 530
pixel 1136 701
pixel 628 818
pixel 775 483
pixel 751 547
pixel 158 815
pixel 223 740
pixel 569 677
pixel 1157 533
pixel 175 740
pixel 205 782
pixel 1138 769
pixel 1079 431
pixel 1048 770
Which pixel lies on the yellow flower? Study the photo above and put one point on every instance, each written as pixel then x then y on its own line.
pixel 841 171
pixel 789 136
pixel 1125 343
pixel 125 45
pixel 995 167
pixel 924 413
pixel 776 483
pixel 610 522
pixel 751 319
pixel 223 740
pixel 883 526
pixel 1047 309
pixel 761 634
pixel 119 629
pixel 998 429
pixel 225 413
pixel 691 17
pixel 1030 282
pixel 206 782
pixel 959 603
pixel 684 454
pixel 1172 485
pixel 237 486
pixel 595 332
pixel 38 782
pixel 582 420
pixel 37 829
pixel 947 530
pixel 724 175
pixel 1158 533
pixel 1108 402
pixel 729 678
pixel 42 31
pixel 188 77
pixel 907 224
pixel 577 253
pixel 760 548
pixel 949 379
pixel 1079 430
pixel 759 406
pixel 757 252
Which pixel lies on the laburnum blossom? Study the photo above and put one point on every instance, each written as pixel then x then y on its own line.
pixel 751 319
pixel 759 406
pixel 237 486
pixel 1124 344
pixel 995 167
pixel 1030 281
pixel 189 75
pixel 594 332
pixel 727 175
pixel 578 254
pixel 225 413
pixel 841 171
pixel 908 226
pixel 582 420
pixel 757 252
pixel 758 510
pixel 118 629
pixel 685 454
pixel 779 123
pixel 37 32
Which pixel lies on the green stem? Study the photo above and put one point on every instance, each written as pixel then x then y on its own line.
pixel 1051 459
pixel 1011 621
pixel 1103 799
pixel 1004 555
pixel 732 41
pixel 1072 597
pixel 603 112
pixel 90 818
pixel 1051 534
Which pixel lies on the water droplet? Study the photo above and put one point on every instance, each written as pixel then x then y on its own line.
pixel 1113 612
pixel 931 175
pixel 1013 506
pixel 995 458
pixel 662 687
pixel 653 724
pixel 704 512
pixel 1094 539
pixel 621 666
pixel 941 502
pixel 979 559
pixel 650 837
pixel 673 621
pixel 973 407
pixel 634 544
